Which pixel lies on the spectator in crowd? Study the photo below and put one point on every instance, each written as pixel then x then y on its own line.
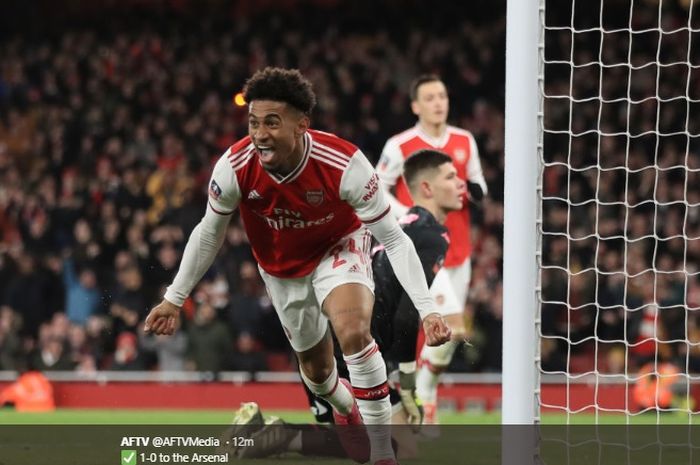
pixel 129 305
pixel 10 344
pixel 247 355
pixel 170 351
pixel 127 356
pixel 234 253
pixel 210 344
pixel 25 293
pixel 99 338
pixel 83 298
pixel 245 312
pixel 52 356
pixel 162 269
pixel 82 354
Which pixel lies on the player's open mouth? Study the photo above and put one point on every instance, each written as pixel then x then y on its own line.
pixel 266 154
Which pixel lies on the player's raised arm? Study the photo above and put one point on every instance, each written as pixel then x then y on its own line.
pixel 360 188
pixel 389 170
pixel 201 249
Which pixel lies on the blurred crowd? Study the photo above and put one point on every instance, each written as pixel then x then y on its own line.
pixel 109 129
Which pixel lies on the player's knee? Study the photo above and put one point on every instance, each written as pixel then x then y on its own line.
pixel 353 336
pixel 316 372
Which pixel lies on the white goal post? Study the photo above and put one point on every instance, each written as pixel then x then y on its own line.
pixel 520 272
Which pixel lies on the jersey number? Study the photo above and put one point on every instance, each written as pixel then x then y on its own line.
pixel 352 248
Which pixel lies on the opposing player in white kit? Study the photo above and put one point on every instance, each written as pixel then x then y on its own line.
pixel 430 103
pixel 308 201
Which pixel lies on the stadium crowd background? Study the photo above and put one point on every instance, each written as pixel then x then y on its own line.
pixel 111 118
pixel 110 127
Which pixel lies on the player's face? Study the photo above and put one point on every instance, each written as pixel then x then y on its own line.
pixel 276 129
pixel 431 104
pixel 448 188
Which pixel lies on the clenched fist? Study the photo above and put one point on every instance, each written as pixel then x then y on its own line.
pixel 436 330
pixel 163 319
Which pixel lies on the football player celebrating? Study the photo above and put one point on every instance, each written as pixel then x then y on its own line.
pixel 309 201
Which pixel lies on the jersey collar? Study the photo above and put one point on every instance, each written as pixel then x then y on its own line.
pixel 437 142
pixel 292 175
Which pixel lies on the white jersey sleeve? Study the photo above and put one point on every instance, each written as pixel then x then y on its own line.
pixel 390 169
pixel 360 187
pixel 208 236
pixel 474 172
pixel 224 192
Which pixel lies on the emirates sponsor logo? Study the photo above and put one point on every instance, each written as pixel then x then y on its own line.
pixel 291 219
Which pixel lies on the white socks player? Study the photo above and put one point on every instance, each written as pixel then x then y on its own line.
pixel 369 380
pixel 369 383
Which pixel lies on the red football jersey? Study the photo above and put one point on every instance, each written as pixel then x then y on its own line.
pixel 458 144
pixel 293 221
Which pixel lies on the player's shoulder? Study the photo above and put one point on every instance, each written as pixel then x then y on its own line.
pixel 457 131
pixel 332 151
pixel 420 220
pixel 240 153
pixel 404 136
pixel 330 142
pixel 240 145
pixel 417 217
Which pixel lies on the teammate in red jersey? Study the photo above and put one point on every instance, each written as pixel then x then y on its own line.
pixel 308 201
pixel 430 103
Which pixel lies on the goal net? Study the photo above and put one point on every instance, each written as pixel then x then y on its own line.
pixel 619 219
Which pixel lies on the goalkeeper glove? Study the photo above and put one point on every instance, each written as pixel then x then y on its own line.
pixel 407 392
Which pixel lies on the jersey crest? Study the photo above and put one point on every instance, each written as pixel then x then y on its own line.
pixel 314 198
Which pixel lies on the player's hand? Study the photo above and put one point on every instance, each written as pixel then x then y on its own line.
pixel 436 330
pixel 163 319
pixel 410 401
pixel 414 408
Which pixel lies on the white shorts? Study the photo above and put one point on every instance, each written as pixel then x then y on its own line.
pixel 450 288
pixel 299 301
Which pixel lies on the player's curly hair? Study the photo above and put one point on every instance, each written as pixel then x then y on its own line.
pixel 281 85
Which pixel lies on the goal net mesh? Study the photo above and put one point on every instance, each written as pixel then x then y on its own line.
pixel 619 223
